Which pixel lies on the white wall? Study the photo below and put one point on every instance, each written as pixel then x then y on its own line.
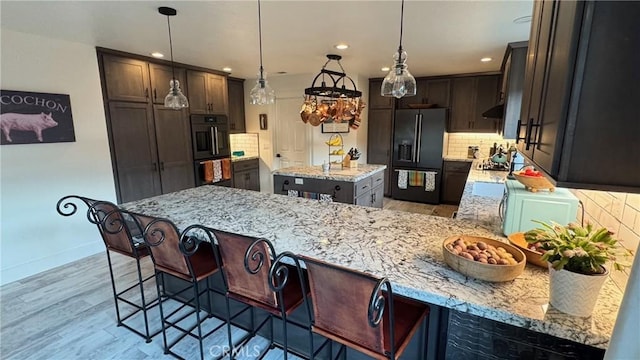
pixel 288 87
pixel 33 177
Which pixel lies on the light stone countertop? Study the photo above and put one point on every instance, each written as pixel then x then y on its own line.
pixel 243 158
pixel 405 247
pixel 481 209
pixel 346 174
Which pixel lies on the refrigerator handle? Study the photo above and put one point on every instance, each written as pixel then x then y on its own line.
pixel 213 141
pixel 419 147
pixel 217 141
pixel 415 139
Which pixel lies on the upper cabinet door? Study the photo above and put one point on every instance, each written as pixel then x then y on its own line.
pixel 438 92
pixel 161 76
pixel 217 93
pixel 197 85
pixel 236 106
pixel 377 101
pixel 486 97
pixel 126 79
pixel 463 100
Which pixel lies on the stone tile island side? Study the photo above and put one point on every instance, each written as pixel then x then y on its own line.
pixel 405 247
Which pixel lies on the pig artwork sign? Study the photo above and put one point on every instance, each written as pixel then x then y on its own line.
pixel 28 117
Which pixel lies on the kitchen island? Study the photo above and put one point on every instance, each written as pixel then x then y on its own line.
pixel 405 247
pixel 362 185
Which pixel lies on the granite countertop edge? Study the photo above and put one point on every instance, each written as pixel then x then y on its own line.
pixel 343 174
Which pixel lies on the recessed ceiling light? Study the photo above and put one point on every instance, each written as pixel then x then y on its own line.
pixel 157 55
pixel 386 68
pixel 342 46
pixel 226 68
pixel 486 59
pixel 522 19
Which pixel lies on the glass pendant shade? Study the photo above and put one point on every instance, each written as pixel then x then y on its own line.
pixel 175 99
pixel 262 93
pixel 399 82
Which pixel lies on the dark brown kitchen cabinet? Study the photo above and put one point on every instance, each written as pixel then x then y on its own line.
pixel 513 68
pixel 379 140
pixel 429 91
pixel 125 79
pixel 161 76
pixel 133 149
pixel 470 97
pixel 377 101
pixel 149 152
pixel 462 104
pixel 173 138
pixel 236 106
pixel 246 175
pixel 208 93
pixel 454 178
pixel 581 90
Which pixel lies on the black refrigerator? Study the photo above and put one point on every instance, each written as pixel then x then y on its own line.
pixel 418 139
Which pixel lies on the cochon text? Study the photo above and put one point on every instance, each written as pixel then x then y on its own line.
pixel 33 100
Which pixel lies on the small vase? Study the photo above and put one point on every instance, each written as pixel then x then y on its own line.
pixel 573 293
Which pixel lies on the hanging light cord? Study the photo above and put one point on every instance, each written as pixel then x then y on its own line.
pixel 260 36
pixel 173 71
pixel 401 27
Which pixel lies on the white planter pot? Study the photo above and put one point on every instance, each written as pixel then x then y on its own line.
pixel 573 293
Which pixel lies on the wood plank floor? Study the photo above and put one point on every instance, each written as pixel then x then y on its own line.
pixel 68 313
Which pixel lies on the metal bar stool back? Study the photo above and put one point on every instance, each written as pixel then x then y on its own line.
pixel 255 277
pixel 119 237
pixel 359 310
pixel 189 256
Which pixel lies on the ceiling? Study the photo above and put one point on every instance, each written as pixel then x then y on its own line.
pixel 440 37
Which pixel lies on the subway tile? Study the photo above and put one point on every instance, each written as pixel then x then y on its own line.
pixel 629 216
pixel 609 222
pixel 620 278
pixel 628 238
pixel 633 200
pixel 617 207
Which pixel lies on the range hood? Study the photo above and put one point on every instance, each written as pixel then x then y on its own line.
pixel 496 112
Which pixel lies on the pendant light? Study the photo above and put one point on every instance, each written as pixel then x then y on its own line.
pixel 261 94
pixel 175 99
pixel 399 82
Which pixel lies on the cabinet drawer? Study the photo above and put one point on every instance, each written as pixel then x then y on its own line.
pixel 458 166
pixel 363 186
pixel 377 179
pixel 245 165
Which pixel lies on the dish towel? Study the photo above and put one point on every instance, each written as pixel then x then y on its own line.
pixel 226 169
pixel 402 179
pixel 208 171
pixel 217 170
pixel 416 178
pixel 430 180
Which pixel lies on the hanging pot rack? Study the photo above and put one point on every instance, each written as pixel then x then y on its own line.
pixel 334 77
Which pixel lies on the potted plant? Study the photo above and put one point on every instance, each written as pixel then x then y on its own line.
pixel 577 256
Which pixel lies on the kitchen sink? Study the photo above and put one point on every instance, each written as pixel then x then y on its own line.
pixel 488 189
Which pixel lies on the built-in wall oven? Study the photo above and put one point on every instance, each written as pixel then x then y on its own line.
pixel 210 139
pixel 210 136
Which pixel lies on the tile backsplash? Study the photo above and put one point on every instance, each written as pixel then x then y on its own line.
pixel 458 143
pixel 245 142
pixel 618 212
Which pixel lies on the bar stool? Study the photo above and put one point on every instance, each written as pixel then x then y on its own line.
pixel 359 310
pixel 253 276
pixel 186 257
pixel 120 239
